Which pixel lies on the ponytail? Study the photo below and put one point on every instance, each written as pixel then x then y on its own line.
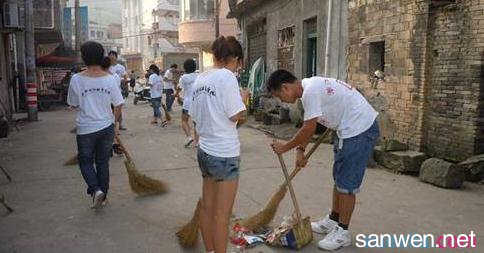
pixel 223 48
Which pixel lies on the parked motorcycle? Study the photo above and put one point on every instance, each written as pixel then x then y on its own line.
pixel 141 93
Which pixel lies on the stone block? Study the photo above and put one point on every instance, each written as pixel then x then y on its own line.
pixel 399 161
pixel 393 145
pixel 284 114
pixel 442 173
pixel 474 168
pixel 259 115
pixel 271 119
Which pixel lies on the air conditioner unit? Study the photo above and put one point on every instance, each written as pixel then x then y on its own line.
pixel 11 15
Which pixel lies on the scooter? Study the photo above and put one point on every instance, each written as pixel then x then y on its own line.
pixel 141 93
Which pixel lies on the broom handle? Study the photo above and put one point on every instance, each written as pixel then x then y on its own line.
pixel 124 150
pixel 291 190
pixel 310 152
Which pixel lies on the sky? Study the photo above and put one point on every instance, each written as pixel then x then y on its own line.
pixel 102 11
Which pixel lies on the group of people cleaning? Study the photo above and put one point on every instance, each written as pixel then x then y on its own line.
pixel 166 85
pixel 215 105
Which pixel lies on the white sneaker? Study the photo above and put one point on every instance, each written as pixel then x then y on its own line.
pixel 323 226
pixel 188 141
pixel 97 199
pixel 337 238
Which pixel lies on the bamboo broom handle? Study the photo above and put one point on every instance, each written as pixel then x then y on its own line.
pixel 310 152
pixel 291 189
pixel 124 150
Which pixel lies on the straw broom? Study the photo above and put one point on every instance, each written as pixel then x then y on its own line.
pixel 140 183
pixel 167 115
pixel 72 161
pixel 188 234
pixel 265 216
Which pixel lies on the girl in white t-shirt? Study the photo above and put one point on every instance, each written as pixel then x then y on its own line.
pixel 92 92
pixel 186 82
pixel 155 83
pixel 216 108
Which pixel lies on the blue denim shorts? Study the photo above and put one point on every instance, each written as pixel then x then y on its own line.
pixel 218 168
pixel 351 158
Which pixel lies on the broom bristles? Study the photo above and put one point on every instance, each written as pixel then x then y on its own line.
pixel 142 184
pixel 72 161
pixel 188 234
pixel 264 217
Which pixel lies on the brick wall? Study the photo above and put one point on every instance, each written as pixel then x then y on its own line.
pixel 401 25
pixel 433 67
pixel 452 95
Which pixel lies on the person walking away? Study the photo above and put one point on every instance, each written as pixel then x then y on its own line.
pixel 216 108
pixel 186 82
pixel 169 83
pixel 339 106
pixel 132 80
pixel 120 71
pixel 92 92
pixel 155 83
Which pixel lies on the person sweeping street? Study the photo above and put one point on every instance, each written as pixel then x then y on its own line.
pixel 156 87
pixel 120 71
pixel 170 86
pixel 92 92
pixel 186 82
pixel 216 109
pixel 339 106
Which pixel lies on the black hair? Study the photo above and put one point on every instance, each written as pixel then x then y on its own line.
pixel 225 48
pixel 155 69
pixel 92 53
pixel 106 63
pixel 112 52
pixel 174 66
pixel 190 66
pixel 279 77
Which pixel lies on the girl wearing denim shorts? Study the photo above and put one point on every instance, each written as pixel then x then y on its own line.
pixel 216 109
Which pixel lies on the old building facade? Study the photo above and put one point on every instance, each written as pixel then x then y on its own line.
pixel 307 37
pixel 432 55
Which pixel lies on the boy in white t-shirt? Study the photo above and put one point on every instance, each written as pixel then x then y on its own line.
pixel 336 105
pixel 120 71
pixel 169 86
pixel 186 81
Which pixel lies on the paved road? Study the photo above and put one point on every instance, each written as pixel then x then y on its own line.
pixel 52 212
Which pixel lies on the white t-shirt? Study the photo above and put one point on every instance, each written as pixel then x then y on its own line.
pixel 186 82
pixel 156 85
pixel 337 105
pixel 216 98
pixel 118 69
pixel 169 84
pixel 93 96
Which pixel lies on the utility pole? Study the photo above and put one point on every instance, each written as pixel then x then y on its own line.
pixel 31 78
pixel 77 16
pixel 217 18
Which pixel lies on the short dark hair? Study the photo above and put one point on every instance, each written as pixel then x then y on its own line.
pixel 279 77
pixel 190 66
pixel 174 66
pixel 112 52
pixel 155 69
pixel 224 48
pixel 92 53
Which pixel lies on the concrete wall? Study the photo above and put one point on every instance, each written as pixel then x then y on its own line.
pixel 286 13
pixel 5 109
